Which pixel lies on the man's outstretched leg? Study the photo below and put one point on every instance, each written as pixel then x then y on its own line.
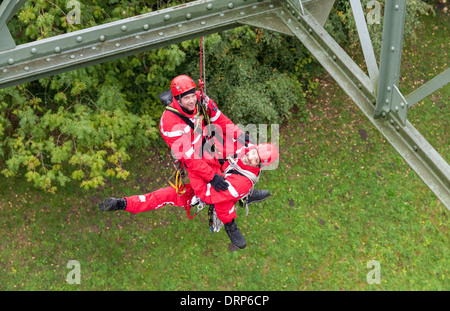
pixel 147 202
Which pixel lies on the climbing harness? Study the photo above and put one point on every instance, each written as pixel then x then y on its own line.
pixel 234 167
pixel 215 224
pixel 178 176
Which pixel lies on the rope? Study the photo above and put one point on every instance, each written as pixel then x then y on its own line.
pixel 201 81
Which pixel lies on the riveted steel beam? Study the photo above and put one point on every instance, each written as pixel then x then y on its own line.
pixel 366 43
pixel 391 54
pixel 320 9
pixel 7 9
pixel 408 142
pixel 129 36
pixel 389 98
pixel 428 88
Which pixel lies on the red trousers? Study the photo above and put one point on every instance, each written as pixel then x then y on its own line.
pixel 223 201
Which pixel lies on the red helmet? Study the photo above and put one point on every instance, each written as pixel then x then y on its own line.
pixel 182 84
pixel 268 153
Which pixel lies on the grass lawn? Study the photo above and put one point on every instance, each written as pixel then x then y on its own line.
pixel 341 197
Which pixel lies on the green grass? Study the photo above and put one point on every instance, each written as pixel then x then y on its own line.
pixel 340 200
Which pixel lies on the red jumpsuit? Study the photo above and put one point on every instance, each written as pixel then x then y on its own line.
pixel 223 201
pixel 187 145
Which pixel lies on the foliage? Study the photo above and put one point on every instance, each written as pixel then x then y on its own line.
pixel 251 70
pixel 342 24
pixel 85 124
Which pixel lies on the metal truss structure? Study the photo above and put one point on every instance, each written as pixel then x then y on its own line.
pixel 376 94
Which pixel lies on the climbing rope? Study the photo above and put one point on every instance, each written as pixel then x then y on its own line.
pixel 201 81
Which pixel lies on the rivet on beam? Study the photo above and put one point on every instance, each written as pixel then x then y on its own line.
pixel 188 16
pixel 57 49
pixel 209 6
pixel 117 45
pixel 102 38
pixel 230 5
pixel 145 27
pixel 11 61
pixel 33 51
pixel 26 68
pixel 79 39
pixel 124 28
pixel 166 17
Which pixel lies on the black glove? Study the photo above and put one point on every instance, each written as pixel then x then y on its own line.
pixel 219 183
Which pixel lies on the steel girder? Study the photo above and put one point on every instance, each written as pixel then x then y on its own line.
pixel 408 142
pixel 129 36
pixel 301 18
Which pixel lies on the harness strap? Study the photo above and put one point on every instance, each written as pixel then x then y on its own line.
pixel 196 127
pixel 179 184
pixel 235 167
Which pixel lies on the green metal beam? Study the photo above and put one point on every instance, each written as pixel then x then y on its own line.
pixel 391 54
pixel 320 9
pixel 408 142
pixel 129 36
pixel 428 88
pixel 366 43
pixel 7 10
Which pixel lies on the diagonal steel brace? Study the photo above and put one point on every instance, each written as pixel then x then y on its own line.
pixel 408 142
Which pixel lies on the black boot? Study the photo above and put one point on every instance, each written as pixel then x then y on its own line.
pixel 235 235
pixel 257 196
pixel 113 204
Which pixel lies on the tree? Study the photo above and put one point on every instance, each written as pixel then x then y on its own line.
pixel 84 124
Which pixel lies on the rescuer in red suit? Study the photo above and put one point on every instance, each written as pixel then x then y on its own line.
pixel 241 173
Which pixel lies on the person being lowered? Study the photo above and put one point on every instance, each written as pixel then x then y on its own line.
pixel 240 173
pixel 196 131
